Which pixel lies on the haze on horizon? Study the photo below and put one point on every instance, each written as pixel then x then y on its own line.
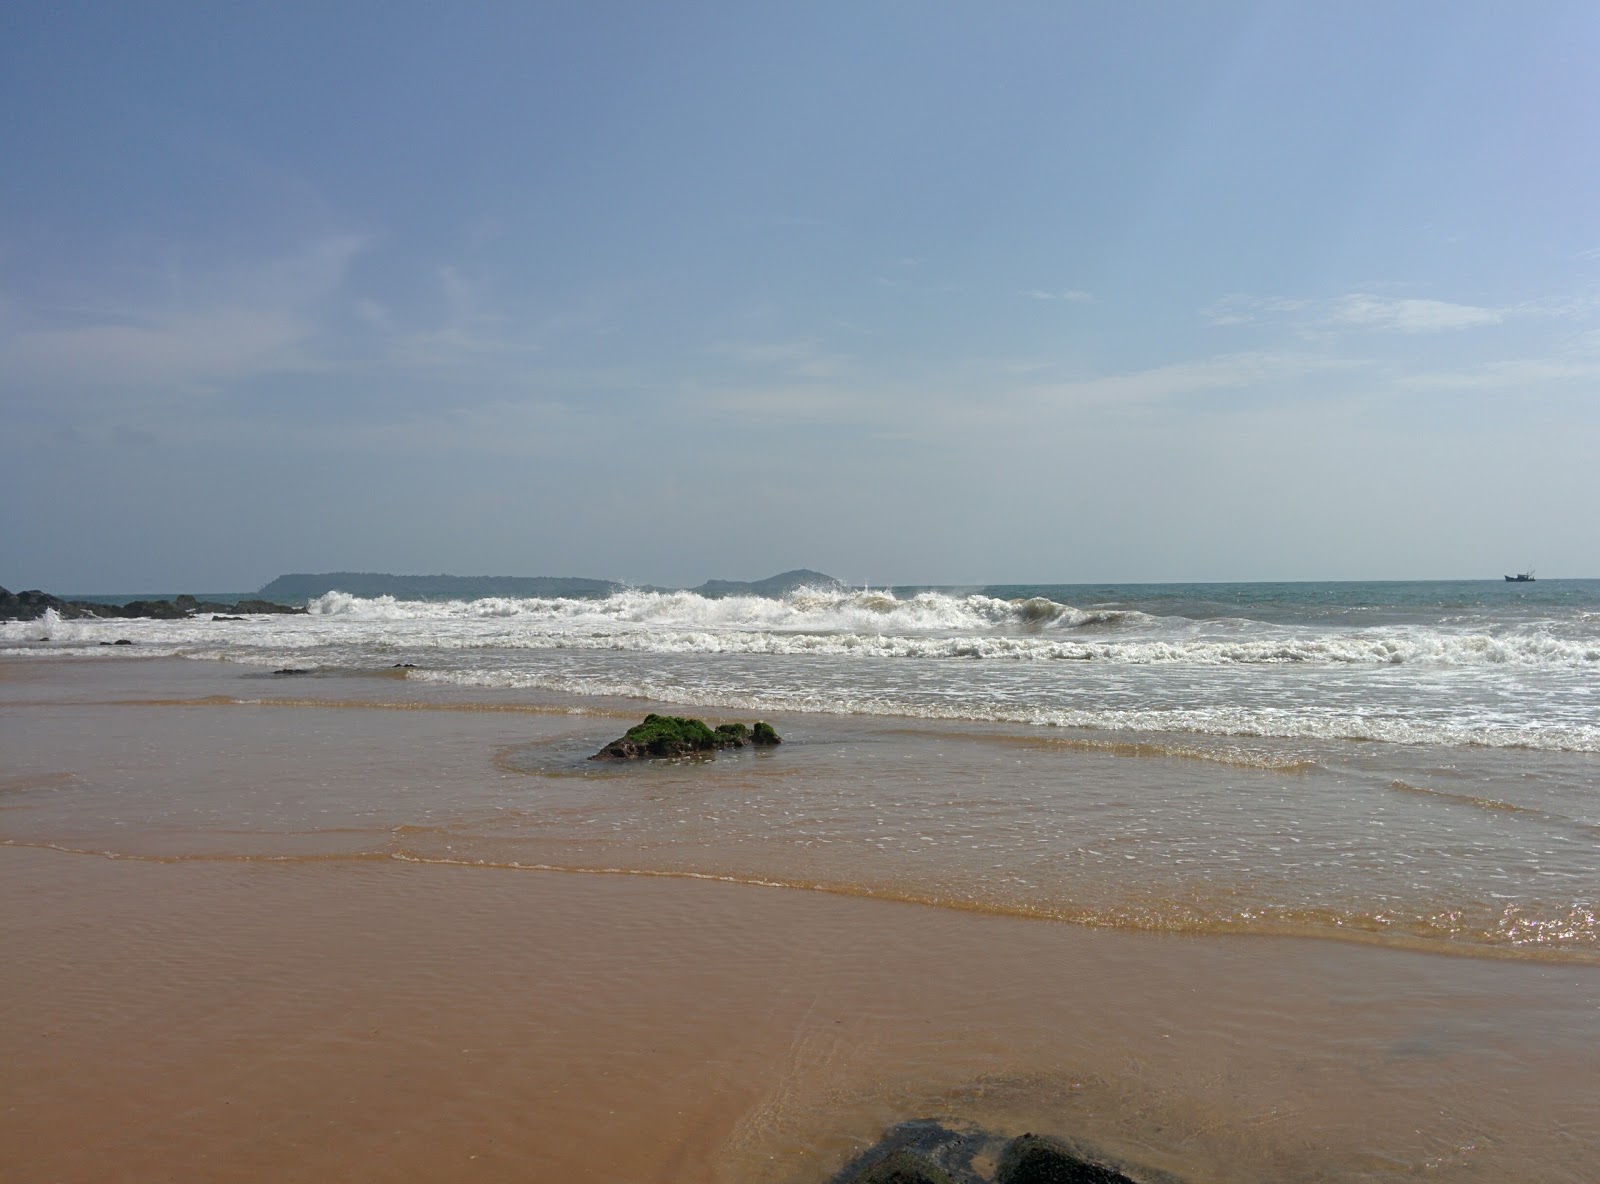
pixel 910 294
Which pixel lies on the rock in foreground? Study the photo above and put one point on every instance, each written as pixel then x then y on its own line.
pixel 661 736
pixel 1036 1159
pixel 927 1152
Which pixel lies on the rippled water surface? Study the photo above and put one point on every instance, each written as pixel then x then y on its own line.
pixel 1471 848
pixel 288 868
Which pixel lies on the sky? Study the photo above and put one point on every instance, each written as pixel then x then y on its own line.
pixel 903 292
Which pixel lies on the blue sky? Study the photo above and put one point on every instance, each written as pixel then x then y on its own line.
pixel 904 292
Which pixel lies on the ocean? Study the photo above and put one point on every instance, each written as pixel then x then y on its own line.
pixel 1413 762
pixel 1229 882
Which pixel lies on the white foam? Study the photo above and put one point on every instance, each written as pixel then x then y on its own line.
pixel 973 657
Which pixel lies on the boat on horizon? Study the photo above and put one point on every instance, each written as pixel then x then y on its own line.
pixel 1525 577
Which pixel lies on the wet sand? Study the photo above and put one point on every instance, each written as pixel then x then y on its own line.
pixel 194 1009
pixel 205 1020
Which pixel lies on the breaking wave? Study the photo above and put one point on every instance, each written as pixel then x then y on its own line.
pixel 808 609
pixel 879 624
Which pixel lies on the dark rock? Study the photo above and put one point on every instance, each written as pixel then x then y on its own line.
pixel 404 666
pixel 1038 1159
pixel 160 610
pixel 292 670
pixel 763 734
pixel 220 617
pixel 676 736
pixel 927 1152
pixel 263 607
pixel 904 1166
pixel 119 641
pixel 919 1152
pixel 31 605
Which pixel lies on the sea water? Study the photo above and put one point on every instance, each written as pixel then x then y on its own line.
pixel 1406 763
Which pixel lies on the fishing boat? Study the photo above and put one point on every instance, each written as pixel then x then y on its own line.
pixel 1524 577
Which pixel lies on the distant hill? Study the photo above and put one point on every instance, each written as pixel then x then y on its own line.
pixel 772 586
pixel 302 586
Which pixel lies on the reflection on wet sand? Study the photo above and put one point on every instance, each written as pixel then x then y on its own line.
pixel 310 943
pixel 386 1022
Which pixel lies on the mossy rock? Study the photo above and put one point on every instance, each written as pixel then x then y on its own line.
pixel 665 736
pixel 1037 1159
pixel 661 736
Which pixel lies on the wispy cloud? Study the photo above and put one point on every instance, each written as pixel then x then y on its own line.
pixel 1513 375
pixel 470 330
pixel 1251 310
pixel 249 320
pixel 1069 295
pixel 802 403
pixel 1362 311
pixel 793 359
pixel 1411 315
pixel 1163 384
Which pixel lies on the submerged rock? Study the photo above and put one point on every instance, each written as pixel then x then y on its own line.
pixel 919 1152
pixel 677 736
pixel 928 1152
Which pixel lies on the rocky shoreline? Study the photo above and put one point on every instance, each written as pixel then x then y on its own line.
pixel 33 604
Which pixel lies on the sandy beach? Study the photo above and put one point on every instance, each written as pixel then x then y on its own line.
pixel 186 1005
pixel 1139 458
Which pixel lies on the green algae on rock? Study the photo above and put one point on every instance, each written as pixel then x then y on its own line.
pixel 665 736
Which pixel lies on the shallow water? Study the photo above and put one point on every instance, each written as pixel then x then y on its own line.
pixel 1468 850
pixel 339 901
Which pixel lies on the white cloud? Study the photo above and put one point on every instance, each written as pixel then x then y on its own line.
pixel 1162 383
pixel 1411 315
pixel 1364 310
pixel 1070 295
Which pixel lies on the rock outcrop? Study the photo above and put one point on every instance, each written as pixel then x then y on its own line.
pixel 31 605
pixel 667 736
